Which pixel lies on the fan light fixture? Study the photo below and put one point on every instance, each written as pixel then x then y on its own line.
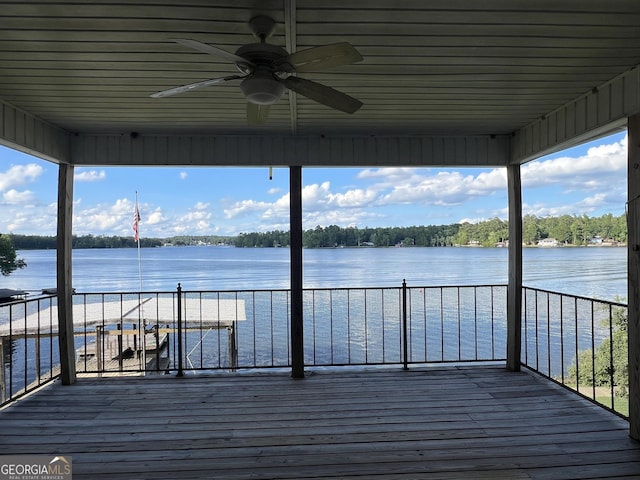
pixel 262 89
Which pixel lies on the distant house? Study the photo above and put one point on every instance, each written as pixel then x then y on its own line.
pixel 548 242
pixel 603 242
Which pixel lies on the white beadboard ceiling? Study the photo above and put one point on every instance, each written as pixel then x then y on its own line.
pixel 431 67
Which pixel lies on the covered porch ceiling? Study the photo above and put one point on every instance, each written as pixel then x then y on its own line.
pixel 442 82
pixel 446 82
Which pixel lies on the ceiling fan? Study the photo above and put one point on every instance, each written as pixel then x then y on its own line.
pixel 266 70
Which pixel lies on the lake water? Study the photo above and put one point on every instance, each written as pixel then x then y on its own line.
pixel 341 327
pixel 598 272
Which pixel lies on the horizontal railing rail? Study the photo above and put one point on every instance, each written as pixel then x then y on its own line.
pixel 578 342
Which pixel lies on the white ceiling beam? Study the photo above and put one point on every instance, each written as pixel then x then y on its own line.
pixel 26 133
pixel 602 111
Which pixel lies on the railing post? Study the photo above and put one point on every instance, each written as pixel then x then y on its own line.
pixel 180 372
pixel 405 337
pixel 120 359
pixel 99 349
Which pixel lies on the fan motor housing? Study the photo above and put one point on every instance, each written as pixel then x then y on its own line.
pixel 262 54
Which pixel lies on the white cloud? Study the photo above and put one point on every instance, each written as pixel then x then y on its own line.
pixel 90 176
pixel 320 206
pixel 388 175
pixel 595 169
pixel 315 196
pixel 156 217
pixel 183 175
pixel 101 219
pixel 445 188
pixel 595 200
pixel 15 197
pixel 245 207
pixel 472 220
pixel 32 220
pixel 196 221
pixel 543 210
pixel 22 211
pixel 357 205
pixel 18 175
pixel 353 198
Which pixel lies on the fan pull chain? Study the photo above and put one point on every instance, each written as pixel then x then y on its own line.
pixel 270 172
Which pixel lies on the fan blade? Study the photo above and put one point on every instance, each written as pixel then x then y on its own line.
pixel 194 86
pixel 257 114
pixel 323 94
pixel 326 56
pixel 210 49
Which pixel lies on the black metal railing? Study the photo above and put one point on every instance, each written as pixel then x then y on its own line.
pixel 580 343
pixel 29 353
pixel 226 330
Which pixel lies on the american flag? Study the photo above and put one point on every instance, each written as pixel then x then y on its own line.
pixel 136 221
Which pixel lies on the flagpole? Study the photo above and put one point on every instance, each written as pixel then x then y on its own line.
pixel 137 239
pixel 143 329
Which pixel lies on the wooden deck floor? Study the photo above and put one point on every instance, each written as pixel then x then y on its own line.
pixel 449 423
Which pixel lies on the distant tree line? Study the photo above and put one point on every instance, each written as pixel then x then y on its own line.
pixel 41 242
pixel 574 229
pixel 185 240
pixel 566 229
pixel 334 236
pixel 276 238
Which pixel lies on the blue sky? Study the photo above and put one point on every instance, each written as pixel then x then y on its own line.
pixel 589 179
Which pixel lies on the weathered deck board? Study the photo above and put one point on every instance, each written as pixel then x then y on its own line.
pixel 471 422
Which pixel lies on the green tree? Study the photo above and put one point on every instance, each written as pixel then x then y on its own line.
pixel 619 229
pixel 581 229
pixel 610 357
pixel 560 228
pixel 9 262
pixel 530 229
pixel 462 238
